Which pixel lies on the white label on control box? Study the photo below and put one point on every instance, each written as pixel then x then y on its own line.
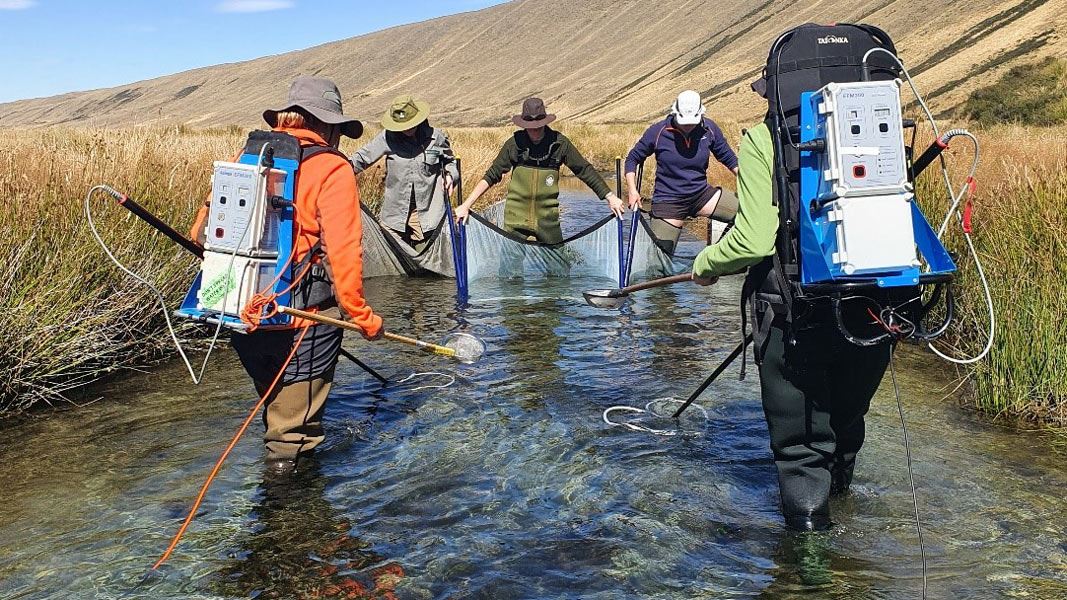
pixel 861 124
pixel 241 217
pixel 229 282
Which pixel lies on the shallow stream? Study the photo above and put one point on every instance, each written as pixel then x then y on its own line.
pixel 508 484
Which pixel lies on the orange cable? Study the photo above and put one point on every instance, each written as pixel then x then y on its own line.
pixel 226 452
pixel 252 312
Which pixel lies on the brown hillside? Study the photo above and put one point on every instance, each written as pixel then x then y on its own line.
pixel 593 60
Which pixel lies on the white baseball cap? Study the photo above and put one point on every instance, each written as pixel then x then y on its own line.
pixel 687 109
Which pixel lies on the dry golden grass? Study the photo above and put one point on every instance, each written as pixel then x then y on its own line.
pixel 1020 217
pixel 71 317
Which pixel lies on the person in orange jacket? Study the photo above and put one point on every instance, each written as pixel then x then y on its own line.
pixel 327 216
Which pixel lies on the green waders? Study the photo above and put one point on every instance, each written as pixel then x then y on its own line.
pixel 532 205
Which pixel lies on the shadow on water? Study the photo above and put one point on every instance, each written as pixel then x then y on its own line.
pixel 508 484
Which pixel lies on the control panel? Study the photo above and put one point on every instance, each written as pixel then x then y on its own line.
pixel 241 217
pixel 862 127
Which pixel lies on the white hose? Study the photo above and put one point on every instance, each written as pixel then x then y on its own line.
pixel 646 410
pixel 954 208
pixel 197 377
pixel 451 380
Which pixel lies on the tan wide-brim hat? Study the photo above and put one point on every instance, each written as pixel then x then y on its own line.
pixel 404 113
pixel 320 98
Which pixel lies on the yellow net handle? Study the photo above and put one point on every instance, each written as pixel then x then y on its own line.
pixel 427 346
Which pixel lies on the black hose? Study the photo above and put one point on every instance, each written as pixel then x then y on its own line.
pixel 154 221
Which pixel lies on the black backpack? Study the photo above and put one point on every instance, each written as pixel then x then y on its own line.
pixel 804 59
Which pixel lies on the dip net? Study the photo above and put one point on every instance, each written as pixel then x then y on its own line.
pixel 491 253
pixel 386 254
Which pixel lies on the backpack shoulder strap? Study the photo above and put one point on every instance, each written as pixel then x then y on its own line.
pixel 307 152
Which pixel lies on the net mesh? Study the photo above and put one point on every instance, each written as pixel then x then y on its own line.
pixel 649 261
pixel 385 254
pixel 468 348
pixel 493 253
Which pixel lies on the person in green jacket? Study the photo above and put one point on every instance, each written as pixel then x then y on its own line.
pixel 534 155
pixel 815 385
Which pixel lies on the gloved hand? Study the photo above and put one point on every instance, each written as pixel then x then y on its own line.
pixel 704 280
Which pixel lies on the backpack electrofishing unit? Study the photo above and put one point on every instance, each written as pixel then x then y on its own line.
pixel 849 224
pixel 250 238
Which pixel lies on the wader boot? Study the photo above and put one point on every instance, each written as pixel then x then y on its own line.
pixel 294 410
pixel 816 390
pixel 666 235
pixel 725 211
pixel 531 208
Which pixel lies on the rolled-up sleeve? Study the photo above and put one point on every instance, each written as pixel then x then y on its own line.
pixel 756 226
pixel 448 156
pixel 370 154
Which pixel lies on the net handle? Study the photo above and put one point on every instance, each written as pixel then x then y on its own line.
pixel 427 346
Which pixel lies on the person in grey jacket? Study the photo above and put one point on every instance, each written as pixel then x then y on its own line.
pixel 420 170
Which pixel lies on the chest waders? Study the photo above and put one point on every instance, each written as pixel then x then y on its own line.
pixel 532 205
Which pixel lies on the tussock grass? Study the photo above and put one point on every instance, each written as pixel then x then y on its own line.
pixel 1020 217
pixel 70 317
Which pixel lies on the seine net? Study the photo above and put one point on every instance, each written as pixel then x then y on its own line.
pixel 649 261
pixel 493 253
pixel 385 254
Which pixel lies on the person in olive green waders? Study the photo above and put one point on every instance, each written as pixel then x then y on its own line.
pixel 534 156
pixel 816 386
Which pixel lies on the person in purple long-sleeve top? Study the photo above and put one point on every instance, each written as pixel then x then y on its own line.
pixel 683 145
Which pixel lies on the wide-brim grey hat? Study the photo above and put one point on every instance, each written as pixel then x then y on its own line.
pixel 533 115
pixel 320 98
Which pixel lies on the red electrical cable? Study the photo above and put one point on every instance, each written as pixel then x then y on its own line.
pixel 225 453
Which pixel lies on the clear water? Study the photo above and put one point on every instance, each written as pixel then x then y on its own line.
pixel 509 485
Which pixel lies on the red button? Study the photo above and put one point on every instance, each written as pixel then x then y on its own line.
pixel 859 171
pixel 219 232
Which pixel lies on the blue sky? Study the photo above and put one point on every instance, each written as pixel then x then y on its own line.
pixel 56 46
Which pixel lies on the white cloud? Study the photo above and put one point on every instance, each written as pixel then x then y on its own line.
pixel 16 4
pixel 250 6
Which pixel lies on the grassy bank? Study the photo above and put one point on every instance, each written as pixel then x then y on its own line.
pixel 71 317
pixel 1019 218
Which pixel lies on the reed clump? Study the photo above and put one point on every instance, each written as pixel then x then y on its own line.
pixel 1020 214
pixel 69 315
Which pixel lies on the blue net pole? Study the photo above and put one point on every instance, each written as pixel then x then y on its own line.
pixel 635 222
pixel 459 240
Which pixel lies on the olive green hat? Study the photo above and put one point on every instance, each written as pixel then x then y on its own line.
pixel 404 113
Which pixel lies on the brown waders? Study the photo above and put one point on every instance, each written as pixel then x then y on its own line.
pixel 294 411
